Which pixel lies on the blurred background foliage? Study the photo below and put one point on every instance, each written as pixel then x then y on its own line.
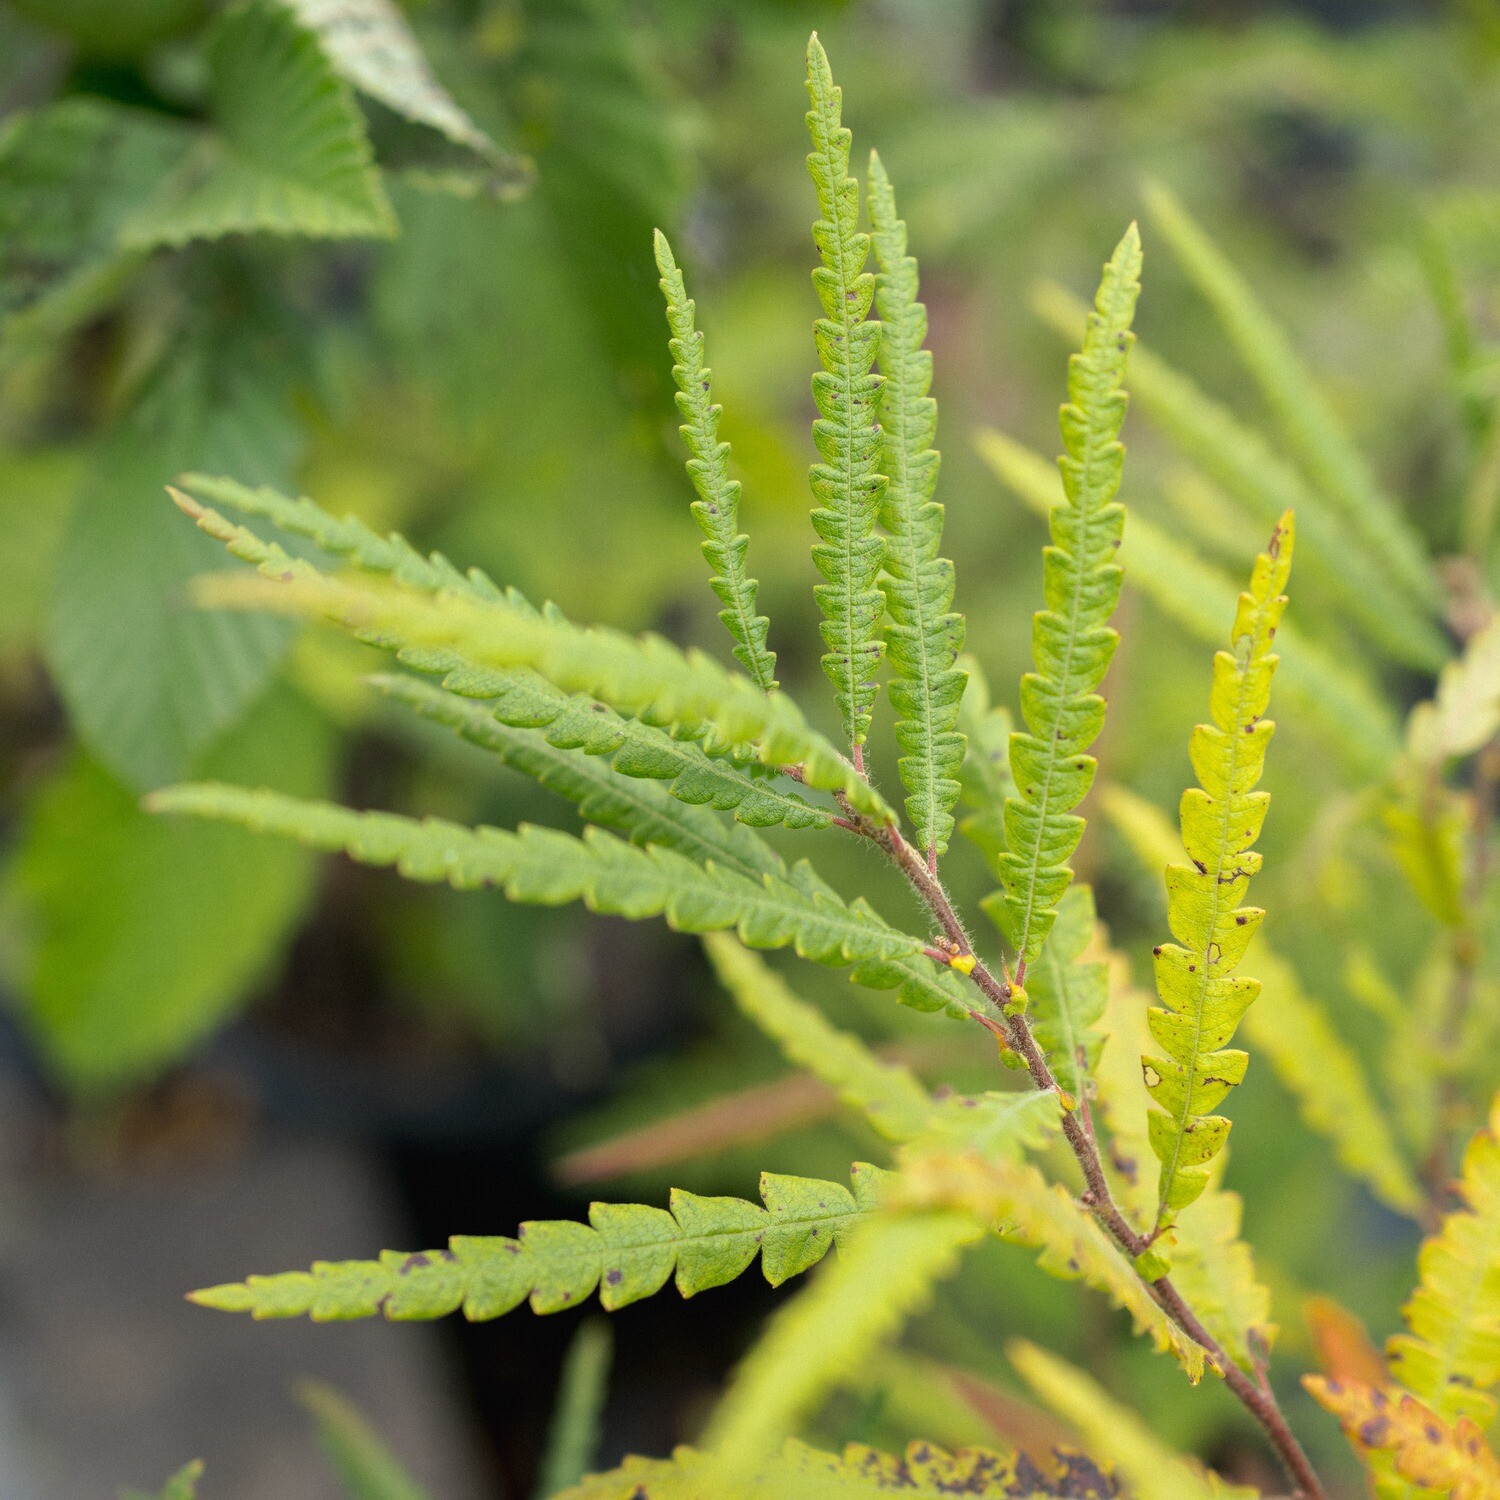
pixel 472 351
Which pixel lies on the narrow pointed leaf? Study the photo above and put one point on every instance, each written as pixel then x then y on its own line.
pixel 716 510
pixel 847 484
pixel 545 867
pixel 1307 422
pixel 626 1251
pixel 1329 693
pixel 1072 642
pixel 1202 1000
pixel 467 627
pixel 925 636
pixel 1331 557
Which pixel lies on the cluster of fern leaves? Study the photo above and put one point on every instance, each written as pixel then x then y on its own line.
pixel 676 763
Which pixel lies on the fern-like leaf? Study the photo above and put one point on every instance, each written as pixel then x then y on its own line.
pixel 1264 485
pixel 643 810
pixel 986 779
pixel 1330 694
pixel 459 627
pixel 626 1251
pixel 717 507
pixel 1068 995
pixel 1072 642
pixel 884 1275
pixel 1221 818
pixel 1211 1265
pixel 1450 1359
pixel 545 867
pixel 925 636
pixel 1293 1031
pixel 1045 1217
pixel 522 701
pixel 1154 1471
pixel 290 154
pixel 925 1472
pixel 1307 422
pixel 1214 1269
pixel 887 1094
pixel 1436 1455
pixel 847 485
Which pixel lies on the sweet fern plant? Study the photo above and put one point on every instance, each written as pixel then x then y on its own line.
pixel 1100 1149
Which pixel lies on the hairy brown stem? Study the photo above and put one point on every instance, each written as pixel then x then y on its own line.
pixel 1014 1030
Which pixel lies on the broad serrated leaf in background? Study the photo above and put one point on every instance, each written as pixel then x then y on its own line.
pixel 288 154
pixel 372 46
pixel 148 678
pixel 70 177
pixel 140 935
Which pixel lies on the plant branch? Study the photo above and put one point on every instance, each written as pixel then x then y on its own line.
pixel 1012 1029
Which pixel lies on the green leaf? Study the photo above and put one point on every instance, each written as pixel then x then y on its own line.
pixel 139 936
pixel 717 508
pixel 924 637
pixel 987 782
pixel 470 624
pixel 370 43
pixel 1308 425
pixel 885 1274
pixel 1030 1211
pixel 365 1465
pixel 1330 693
pixel 549 868
pixel 37 491
pixel 1202 1001
pixel 569 720
pixel 70 175
pixel 887 1094
pixel 644 810
pixel 1214 1270
pixel 1153 1470
pixel 149 681
pixel 1463 715
pixel 926 1472
pixel 1294 1033
pixel 847 485
pixel 1331 556
pixel 183 1485
pixel 1068 996
pixel 1072 642
pixel 626 1251
pixel 573 1437
pixel 1450 1359
pixel 289 154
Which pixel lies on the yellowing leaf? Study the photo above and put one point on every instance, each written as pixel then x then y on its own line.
pixel 1428 1451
